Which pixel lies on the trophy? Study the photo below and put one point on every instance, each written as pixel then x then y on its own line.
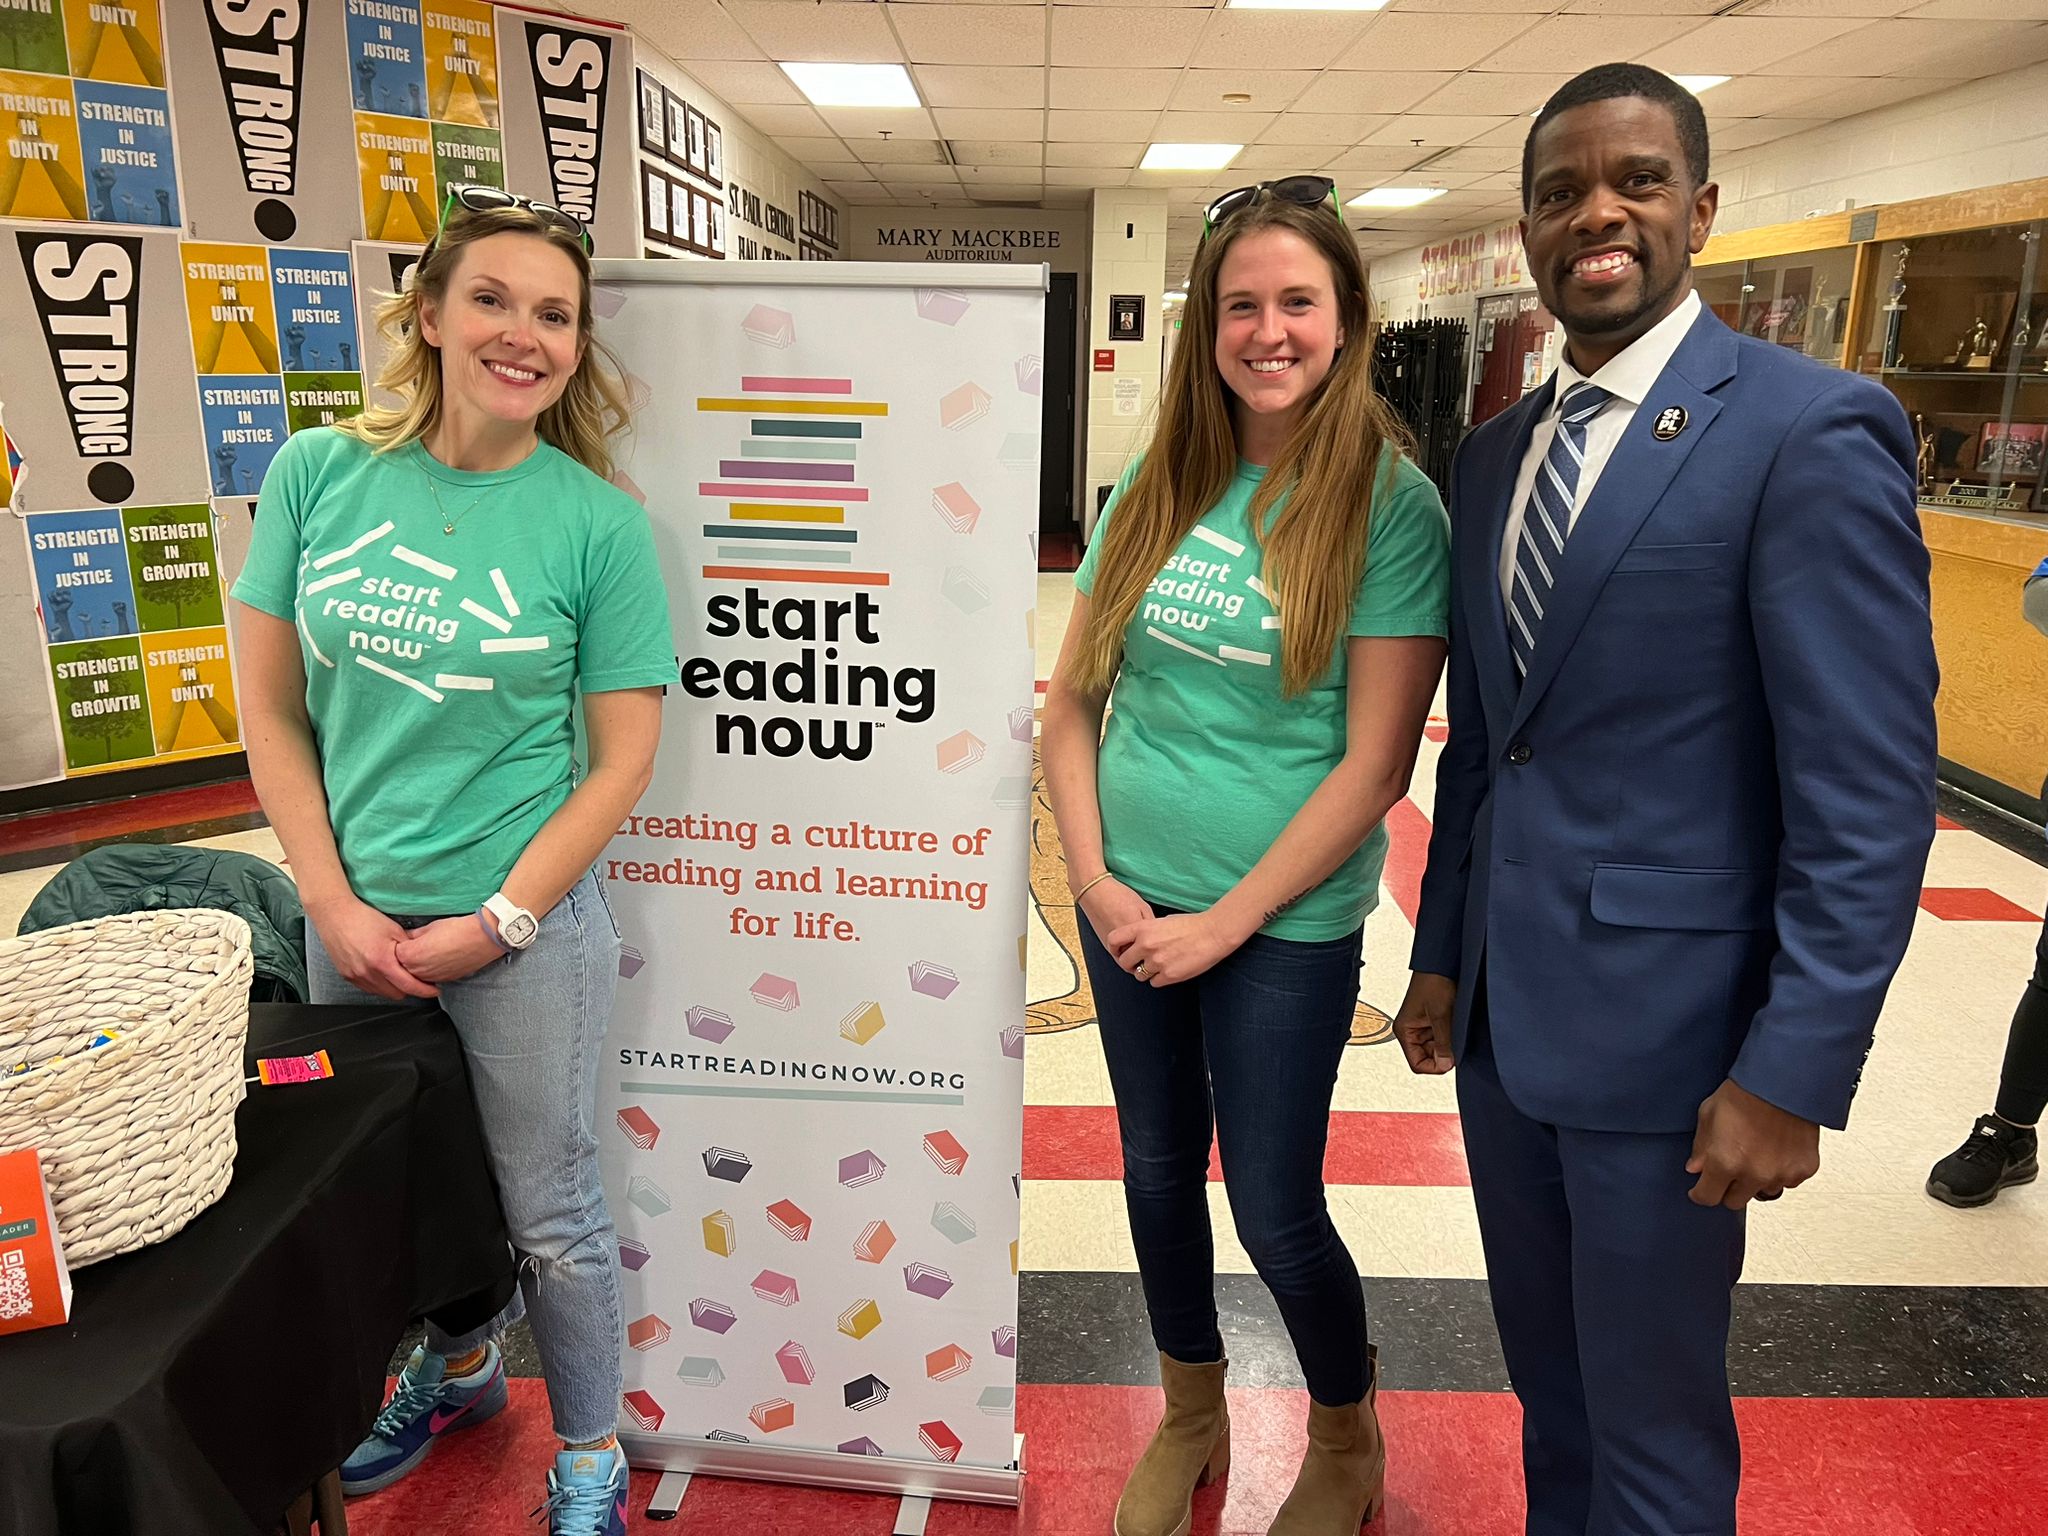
pixel 1974 351
pixel 1925 475
pixel 1895 312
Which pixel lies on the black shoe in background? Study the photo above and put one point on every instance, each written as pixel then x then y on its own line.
pixel 1996 1155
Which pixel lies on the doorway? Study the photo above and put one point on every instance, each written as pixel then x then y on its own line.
pixel 1059 530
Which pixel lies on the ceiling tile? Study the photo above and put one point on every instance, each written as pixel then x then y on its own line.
pixel 1003 191
pixel 991 122
pixel 858 124
pixel 1277 37
pixel 1376 158
pixel 1513 133
pixel 1085 176
pixel 1094 156
pixel 1860 96
pixel 712 33
pixel 1368 91
pixel 1474 159
pixel 1444 132
pixel 1760 95
pixel 777 122
pixel 1659 7
pixel 1283 158
pixel 1567 42
pixel 1065 197
pixel 1514 93
pixel 1925 49
pixel 1095 90
pixel 1082 127
pixel 1491 7
pixel 1001 152
pixel 853 191
pixel 748 84
pixel 1271 90
pixel 809 149
pixel 801 33
pixel 1094 36
pixel 1211 127
pixel 1743 45
pixel 1323 127
pixel 980 85
pixel 1981 10
pixel 875 151
pixel 971 34
pixel 1415 41
pixel 920 175
pixel 1858 10
pixel 1748 132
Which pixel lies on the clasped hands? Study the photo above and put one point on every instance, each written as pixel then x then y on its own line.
pixel 376 955
pixel 1745 1148
pixel 1158 951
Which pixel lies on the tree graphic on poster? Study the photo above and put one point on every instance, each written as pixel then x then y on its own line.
pixel 120 734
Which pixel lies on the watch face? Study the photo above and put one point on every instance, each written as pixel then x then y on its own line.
pixel 519 931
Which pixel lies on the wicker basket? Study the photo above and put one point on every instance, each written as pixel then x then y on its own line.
pixel 138 1135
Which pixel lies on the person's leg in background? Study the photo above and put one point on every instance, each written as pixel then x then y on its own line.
pixel 1152 1042
pixel 1276 1016
pixel 2004 1146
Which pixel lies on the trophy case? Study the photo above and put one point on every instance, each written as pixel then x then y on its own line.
pixel 1943 301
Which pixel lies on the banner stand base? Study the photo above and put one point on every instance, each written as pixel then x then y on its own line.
pixel 917 1483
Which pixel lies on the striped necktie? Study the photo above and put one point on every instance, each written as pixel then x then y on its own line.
pixel 1547 521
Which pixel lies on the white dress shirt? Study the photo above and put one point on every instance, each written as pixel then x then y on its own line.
pixel 1628 377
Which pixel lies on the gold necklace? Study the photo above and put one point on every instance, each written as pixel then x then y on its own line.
pixel 447 523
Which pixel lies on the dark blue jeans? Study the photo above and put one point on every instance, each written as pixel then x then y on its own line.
pixel 1252 1045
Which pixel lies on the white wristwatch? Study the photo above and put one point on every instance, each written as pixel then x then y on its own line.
pixel 517 927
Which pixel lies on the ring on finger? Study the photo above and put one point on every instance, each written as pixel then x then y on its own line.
pixel 1140 971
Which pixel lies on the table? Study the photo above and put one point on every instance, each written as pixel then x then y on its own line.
pixel 205 1383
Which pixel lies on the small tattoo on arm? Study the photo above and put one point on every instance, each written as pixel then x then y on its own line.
pixel 1282 907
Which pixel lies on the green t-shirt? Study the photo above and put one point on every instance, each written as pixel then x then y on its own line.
pixel 1204 762
pixel 442 669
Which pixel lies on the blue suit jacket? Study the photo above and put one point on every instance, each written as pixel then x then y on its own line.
pixel 1690 844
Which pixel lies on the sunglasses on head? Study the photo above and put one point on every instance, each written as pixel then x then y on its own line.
pixel 478 198
pixel 1306 191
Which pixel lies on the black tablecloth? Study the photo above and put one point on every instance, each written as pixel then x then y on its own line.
pixel 204 1383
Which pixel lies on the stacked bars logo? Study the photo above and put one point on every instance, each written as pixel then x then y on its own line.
pixel 261 53
pixel 571 74
pixel 84 287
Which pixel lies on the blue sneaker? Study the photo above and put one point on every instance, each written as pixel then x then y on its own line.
pixel 587 1494
pixel 422 1408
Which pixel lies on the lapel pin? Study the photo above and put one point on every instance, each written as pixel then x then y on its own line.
pixel 1670 422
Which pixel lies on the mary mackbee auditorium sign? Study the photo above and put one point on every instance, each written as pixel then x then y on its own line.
pixel 942 243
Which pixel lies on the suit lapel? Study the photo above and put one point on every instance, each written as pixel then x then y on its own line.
pixel 1481 569
pixel 1640 470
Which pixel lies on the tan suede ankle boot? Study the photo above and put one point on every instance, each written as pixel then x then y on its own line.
pixel 1189 1450
pixel 1343 1478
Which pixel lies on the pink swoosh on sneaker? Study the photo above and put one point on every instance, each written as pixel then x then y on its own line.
pixel 443 1417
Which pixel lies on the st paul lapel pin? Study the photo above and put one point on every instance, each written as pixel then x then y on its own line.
pixel 1670 422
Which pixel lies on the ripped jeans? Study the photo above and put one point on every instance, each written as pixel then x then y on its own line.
pixel 531 1026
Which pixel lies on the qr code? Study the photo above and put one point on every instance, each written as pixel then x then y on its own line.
pixel 16 1299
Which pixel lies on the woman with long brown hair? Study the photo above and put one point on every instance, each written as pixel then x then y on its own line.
pixel 430 589
pixel 1267 598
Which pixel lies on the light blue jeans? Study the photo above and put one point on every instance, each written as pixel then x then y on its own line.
pixel 532 1025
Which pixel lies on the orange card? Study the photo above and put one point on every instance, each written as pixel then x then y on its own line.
pixel 35 1285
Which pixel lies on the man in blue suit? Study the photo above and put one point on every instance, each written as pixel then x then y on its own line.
pixel 1681 816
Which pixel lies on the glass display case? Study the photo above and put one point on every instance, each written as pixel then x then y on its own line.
pixel 1955 330
pixel 1799 300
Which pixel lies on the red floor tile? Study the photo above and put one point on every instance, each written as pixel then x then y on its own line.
pixel 1075 1141
pixel 1407 856
pixel 1813 1466
pixel 1966 904
pixel 1944 824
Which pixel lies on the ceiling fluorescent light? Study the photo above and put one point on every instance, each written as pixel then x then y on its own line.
pixel 1396 197
pixel 1189 157
pixel 1175 295
pixel 1306 5
pixel 854 85
pixel 1699 83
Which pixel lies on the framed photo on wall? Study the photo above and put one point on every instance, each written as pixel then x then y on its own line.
pixel 714 152
pixel 2012 450
pixel 694 141
pixel 717 228
pixel 653 115
pixel 654 202
pixel 700 220
pixel 677 148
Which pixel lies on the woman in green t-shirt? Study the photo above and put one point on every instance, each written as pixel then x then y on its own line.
pixel 1268 594
pixel 429 589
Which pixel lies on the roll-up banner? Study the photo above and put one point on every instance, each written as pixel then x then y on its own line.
pixel 812 1092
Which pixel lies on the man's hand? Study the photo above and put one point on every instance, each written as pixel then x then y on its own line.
pixel 1747 1149
pixel 1423 1026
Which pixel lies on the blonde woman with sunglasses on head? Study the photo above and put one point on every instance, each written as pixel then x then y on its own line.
pixel 1267 595
pixel 429 589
